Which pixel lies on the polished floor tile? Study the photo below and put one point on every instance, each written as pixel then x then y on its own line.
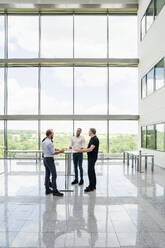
pixel 127 210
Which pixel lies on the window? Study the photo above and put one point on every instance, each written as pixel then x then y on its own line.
pixel 23 90
pixel 57 36
pixel 101 132
pixel 122 44
pixel 23 36
pixel 160 141
pixel 143 137
pixel 57 90
pixel 159 4
pixel 22 135
pixel 150 14
pixel 123 90
pixel 123 136
pixel 150 82
pixel 90 36
pixel 159 74
pixel 63 131
pixel 90 90
pixel 1 91
pixel 151 137
pixel 1 139
pixel 144 87
pixel 143 27
pixel 2 36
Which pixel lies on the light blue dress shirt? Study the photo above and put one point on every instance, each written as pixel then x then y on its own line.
pixel 48 148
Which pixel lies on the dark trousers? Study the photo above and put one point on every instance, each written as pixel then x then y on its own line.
pixel 91 173
pixel 50 169
pixel 77 160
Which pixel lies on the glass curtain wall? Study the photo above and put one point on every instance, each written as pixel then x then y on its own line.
pixel 64 90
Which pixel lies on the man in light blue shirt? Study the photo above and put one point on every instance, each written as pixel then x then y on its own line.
pixel 48 153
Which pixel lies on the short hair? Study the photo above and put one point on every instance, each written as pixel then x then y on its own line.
pixel 79 128
pixel 93 130
pixel 49 132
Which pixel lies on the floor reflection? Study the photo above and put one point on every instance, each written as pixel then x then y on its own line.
pixel 127 210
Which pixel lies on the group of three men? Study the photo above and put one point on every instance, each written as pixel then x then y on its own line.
pixel 78 145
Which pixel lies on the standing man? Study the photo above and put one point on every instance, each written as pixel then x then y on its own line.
pixel 77 143
pixel 92 151
pixel 48 152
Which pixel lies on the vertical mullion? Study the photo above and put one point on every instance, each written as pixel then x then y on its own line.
pixel 107 83
pixel 73 73
pixel 39 84
pixel 6 85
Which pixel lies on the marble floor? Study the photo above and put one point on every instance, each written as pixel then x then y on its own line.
pixel 126 210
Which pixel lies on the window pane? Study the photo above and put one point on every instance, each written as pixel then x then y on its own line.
pixel 1 139
pixel 90 90
pixel 57 90
pixel 150 82
pixel 159 5
pixel 57 36
pixel 23 35
pixel 1 91
pixel 123 90
pixel 160 137
pixel 143 27
pixel 144 87
pixel 101 132
pixel 123 136
pixel 143 137
pixel 150 137
pixel 159 74
pixel 90 36
pixel 22 135
pixel 23 90
pixel 63 131
pixel 122 44
pixel 2 36
pixel 150 14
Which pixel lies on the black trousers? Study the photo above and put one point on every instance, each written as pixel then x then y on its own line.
pixel 50 169
pixel 91 173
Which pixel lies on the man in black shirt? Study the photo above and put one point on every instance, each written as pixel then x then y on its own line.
pixel 92 151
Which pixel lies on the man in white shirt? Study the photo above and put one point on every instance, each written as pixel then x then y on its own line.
pixel 77 143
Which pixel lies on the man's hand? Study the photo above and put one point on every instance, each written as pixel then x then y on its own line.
pixel 80 150
pixel 70 147
pixel 62 151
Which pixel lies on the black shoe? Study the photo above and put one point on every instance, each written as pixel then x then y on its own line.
pixel 74 182
pixel 48 191
pixel 81 182
pixel 57 193
pixel 88 190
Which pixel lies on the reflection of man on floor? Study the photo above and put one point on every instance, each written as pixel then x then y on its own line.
pixel 52 228
pixel 92 221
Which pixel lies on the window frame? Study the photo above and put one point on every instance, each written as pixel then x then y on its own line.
pixel 156 136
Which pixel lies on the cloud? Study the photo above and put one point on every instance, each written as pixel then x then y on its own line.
pixel 23 34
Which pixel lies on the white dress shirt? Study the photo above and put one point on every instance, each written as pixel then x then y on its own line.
pixel 77 142
pixel 48 148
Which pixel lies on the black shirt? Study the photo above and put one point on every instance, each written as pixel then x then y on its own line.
pixel 93 154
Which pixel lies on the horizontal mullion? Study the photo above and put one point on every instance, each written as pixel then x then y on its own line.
pixel 69 117
pixel 68 62
pixel 24 8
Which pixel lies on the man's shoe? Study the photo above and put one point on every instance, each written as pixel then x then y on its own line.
pixel 81 182
pixel 74 182
pixel 88 190
pixel 48 191
pixel 57 193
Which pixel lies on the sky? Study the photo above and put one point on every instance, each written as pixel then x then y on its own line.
pixel 57 83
